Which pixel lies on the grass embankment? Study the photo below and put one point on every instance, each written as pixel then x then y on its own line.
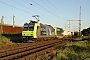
pixel 4 40
pixel 79 50
pixel 9 38
pixel 14 37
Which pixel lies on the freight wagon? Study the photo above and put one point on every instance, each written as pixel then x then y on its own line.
pixel 6 28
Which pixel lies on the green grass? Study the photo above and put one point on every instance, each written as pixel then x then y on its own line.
pixel 4 40
pixel 8 38
pixel 14 37
pixel 74 51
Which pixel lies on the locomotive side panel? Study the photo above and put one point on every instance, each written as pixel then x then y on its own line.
pixel 45 31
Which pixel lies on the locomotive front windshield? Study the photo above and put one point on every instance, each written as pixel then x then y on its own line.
pixel 31 27
pixel 25 27
pixel 28 27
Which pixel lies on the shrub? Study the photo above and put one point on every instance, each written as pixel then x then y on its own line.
pixel 61 56
pixel 77 51
pixel 4 40
pixel 77 48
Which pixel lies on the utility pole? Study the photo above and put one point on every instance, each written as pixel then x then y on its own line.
pixel 13 21
pixel 80 22
pixel 2 20
pixel 2 23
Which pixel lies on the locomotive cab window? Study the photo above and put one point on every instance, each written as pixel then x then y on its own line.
pixel 25 27
pixel 31 27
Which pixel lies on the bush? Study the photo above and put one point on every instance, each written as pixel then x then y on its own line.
pixel 77 51
pixel 77 48
pixel 61 56
pixel 4 40
pixel 14 37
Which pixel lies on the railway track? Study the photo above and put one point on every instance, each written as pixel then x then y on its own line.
pixel 30 51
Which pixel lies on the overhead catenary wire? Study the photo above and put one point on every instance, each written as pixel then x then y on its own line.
pixel 50 8
pixel 52 5
pixel 29 3
pixel 55 8
pixel 15 7
pixel 46 9
pixel 47 5
pixel 26 11
pixel 38 7
pixel 23 5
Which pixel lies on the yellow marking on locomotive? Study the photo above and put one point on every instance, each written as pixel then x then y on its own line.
pixel 35 30
pixel 27 33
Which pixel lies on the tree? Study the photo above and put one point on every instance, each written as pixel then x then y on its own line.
pixel 86 32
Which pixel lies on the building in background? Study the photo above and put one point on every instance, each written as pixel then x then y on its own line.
pixel 66 32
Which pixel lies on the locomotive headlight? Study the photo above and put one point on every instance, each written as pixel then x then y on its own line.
pixel 23 34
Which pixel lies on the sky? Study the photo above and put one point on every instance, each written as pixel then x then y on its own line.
pixel 51 12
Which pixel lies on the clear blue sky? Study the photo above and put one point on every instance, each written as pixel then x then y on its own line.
pixel 53 12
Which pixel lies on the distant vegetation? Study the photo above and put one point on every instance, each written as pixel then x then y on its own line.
pixel 86 32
